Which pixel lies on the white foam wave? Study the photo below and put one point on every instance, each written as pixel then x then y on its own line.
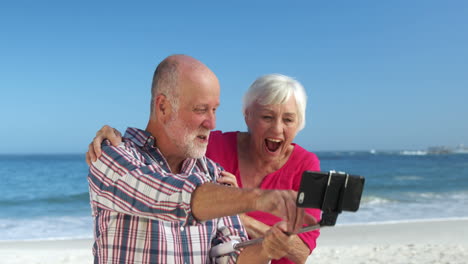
pixel 65 227
pixel 408 178
pixel 375 200
pixel 419 220
pixel 410 206
pixel 413 152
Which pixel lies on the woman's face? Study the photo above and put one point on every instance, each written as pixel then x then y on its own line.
pixel 272 128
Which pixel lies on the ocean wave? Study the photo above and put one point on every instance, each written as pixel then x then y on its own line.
pixel 413 153
pixel 408 207
pixel 408 178
pixel 415 220
pixel 46 228
pixel 375 200
pixel 434 196
pixel 415 197
pixel 62 199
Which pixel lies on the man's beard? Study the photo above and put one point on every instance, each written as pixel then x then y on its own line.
pixel 185 139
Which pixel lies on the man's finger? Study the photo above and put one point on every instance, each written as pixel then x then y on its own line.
pixel 299 219
pixel 282 226
pixel 291 214
pixel 309 220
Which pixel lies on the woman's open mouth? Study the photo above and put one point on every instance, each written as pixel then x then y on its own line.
pixel 273 144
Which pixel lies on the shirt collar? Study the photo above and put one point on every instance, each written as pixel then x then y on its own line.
pixel 139 137
pixel 142 138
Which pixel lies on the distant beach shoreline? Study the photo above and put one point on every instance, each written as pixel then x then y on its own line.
pixel 427 241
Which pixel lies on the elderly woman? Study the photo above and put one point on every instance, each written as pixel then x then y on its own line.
pixel 264 156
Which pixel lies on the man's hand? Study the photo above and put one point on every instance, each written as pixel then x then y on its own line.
pixel 94 149
pixel 282 203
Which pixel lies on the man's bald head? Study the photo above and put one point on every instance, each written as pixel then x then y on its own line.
pixel 172 75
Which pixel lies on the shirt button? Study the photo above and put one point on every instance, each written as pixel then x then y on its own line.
pixel 162 163
pixel 181 228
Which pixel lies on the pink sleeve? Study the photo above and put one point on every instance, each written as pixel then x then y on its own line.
pixel 222 149
pixel 310 238
pixel 212 150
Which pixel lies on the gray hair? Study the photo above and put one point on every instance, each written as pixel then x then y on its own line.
pixel 165 82
pixel 276 89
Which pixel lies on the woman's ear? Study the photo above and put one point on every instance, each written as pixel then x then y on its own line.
pixel 246 115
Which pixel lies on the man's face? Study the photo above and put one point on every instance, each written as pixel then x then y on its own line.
pixel 190 126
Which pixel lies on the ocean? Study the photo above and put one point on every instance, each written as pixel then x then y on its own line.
pixel 46 196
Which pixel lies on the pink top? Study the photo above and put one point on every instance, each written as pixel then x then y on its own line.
pixel 222 148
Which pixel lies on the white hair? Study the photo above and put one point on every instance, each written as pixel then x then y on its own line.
pixel 276 89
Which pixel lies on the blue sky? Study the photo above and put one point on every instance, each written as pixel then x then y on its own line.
pixel 379 74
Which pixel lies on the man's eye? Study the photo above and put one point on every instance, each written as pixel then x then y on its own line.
pixel 266 117
pixel 200 110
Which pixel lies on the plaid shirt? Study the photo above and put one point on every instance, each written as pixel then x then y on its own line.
pixel 142 211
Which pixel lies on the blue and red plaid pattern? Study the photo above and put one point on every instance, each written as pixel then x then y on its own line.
pixel 142 211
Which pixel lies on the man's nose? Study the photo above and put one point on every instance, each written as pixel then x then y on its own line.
pixel 210 121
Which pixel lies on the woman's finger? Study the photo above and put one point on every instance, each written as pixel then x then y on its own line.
pixel 227 181
pixel 91 153
pixel 276 242
pixel 114 137
pixel 228 178
pixel 88 160
pixel 96 146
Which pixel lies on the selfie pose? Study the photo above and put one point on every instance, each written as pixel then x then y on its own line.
pixel 265 156
pixel 155 198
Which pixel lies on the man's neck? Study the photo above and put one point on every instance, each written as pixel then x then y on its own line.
pixel 163 143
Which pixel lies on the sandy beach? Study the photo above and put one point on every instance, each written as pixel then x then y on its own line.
pixel 435 241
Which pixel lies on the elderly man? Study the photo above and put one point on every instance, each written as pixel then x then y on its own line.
pixel 155 198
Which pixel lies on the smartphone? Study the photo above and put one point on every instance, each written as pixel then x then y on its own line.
pixel 330 191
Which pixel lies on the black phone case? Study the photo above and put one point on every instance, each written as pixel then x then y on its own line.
pixel 335 193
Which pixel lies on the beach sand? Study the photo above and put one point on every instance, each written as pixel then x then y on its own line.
pixel 436 241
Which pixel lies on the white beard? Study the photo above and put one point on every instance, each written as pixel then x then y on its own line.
pixel 186 140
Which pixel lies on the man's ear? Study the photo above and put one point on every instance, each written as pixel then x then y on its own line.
pixel 162 107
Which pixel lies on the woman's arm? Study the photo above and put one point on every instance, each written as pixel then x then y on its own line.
pixel 94 148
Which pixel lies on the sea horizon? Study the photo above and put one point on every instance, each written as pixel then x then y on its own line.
pixel 45 196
